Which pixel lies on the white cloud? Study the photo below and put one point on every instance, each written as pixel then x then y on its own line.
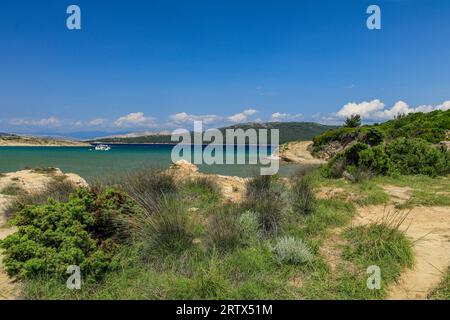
pixel 278 117
pixel 184 117
pixel 364 109
pixel 97 122
pixel 242 116
pixel 135 119
pixel 375 110
pixel 47 122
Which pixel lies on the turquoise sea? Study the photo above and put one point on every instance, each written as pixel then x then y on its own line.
pixel 92 164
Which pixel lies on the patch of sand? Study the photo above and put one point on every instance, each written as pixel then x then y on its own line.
pixel 398 194
pixel 297 152
pixel 32 181
pixel 429 229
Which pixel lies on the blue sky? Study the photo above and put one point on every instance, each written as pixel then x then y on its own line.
pixel 151 65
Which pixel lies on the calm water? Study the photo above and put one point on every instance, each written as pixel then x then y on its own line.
pixel 90 164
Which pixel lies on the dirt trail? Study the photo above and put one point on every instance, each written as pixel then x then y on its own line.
pixel 429 229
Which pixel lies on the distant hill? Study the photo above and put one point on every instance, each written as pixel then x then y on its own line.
pixel 16 140
pixel 289 131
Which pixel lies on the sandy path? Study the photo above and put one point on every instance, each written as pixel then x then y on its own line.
pixel 429 229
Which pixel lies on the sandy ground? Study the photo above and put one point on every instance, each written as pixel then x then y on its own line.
pixel 297 152
pixel 429 229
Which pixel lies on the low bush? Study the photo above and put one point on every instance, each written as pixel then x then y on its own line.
pixel 416 156
pixel 373 137
pixel 225 232
pixel 86 231
pixel 375 160
pixel 289 250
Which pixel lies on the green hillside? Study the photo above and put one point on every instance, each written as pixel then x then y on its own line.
pixel 289 131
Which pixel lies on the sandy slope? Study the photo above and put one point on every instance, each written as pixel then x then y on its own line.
pixel 297 152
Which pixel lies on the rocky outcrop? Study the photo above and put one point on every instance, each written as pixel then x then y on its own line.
pixel 232 188
pixel 33 181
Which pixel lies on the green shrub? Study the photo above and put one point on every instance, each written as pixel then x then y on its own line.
pixel 373 136
pixel 375 160
pixel 303 199
pixel 335 167
pixel 86 231
pixel 344 135
pixel 351 155
pixel 291 251
pixel 416 156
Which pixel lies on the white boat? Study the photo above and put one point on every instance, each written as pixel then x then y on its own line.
pixel 102 147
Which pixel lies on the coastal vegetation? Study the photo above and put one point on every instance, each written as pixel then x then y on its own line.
pixel 408 145
pixel 140 237
pixel 165 234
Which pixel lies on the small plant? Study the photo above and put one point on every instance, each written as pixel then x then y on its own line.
pixel 12 190
pixel 249 227
pixel 289 250
pixel 303 199
pixel 206 184
pixel 44 170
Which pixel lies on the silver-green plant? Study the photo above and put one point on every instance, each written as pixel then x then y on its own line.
pixel 290 250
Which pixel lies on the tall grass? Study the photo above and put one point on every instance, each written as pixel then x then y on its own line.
pixel 303 199
pixel 265 196
pixel 224 232
pixel 167 227
pixel 147 186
